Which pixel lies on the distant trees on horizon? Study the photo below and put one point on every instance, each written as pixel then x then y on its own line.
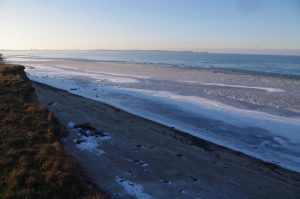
pixel 1 59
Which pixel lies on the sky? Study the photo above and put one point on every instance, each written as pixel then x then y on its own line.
pixel 196 25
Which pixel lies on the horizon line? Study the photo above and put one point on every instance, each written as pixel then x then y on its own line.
pixel 247 51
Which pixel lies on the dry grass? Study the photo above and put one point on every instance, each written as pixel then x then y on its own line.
pixel 33 163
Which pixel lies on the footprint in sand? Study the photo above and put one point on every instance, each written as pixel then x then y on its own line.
pixel 179 155
pixel 182 191
pixel 166 181
pixel 139 162
pixel 194 179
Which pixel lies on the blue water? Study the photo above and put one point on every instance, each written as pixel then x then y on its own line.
pixel 275 64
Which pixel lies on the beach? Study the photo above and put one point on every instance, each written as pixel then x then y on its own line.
pixel 254 113
pixel 140 158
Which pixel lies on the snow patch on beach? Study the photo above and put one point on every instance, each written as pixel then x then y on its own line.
pixel 133 189
pixel 70 124
pixel 90 144
pixel 88 141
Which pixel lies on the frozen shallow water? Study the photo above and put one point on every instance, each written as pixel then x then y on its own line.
pixel 256 114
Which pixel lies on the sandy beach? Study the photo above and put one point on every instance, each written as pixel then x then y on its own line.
pixel 143 159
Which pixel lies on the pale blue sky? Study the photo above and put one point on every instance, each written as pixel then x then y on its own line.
pixel 150 24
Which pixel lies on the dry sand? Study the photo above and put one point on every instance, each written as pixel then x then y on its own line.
pixel 165 162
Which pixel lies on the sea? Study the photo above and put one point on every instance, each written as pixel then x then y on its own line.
pixel 273 64
pixel 249 103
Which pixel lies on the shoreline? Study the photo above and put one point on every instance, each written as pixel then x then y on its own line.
pixel 229 159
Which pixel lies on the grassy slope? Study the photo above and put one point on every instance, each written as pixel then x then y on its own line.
pixel 33 163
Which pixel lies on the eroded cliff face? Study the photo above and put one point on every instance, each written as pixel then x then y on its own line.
pixel 33 161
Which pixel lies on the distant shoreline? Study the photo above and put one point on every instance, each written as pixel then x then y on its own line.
pixel 296 52
pixel 252 64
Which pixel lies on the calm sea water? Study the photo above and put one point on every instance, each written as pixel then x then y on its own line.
pixel 275 64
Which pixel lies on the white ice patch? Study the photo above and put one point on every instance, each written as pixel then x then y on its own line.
pixel 118 74
pixel 45 71
pixel 283 126
pixel 235 86
pixel 118 80
pixel 70 124
pixel 90 144
pixel 133 189
pixel 26 59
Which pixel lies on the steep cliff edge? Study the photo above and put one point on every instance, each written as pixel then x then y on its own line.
pixel 33 161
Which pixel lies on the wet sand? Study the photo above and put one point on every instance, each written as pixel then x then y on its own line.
pixel 165 162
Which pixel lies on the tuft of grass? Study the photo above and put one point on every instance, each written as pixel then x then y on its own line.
pixel 33 163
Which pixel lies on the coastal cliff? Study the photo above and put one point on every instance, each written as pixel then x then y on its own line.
pixel 33 161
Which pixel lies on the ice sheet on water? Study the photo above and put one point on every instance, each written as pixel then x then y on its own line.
pixel 236 86
pixel 58 71
pixel 283 131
